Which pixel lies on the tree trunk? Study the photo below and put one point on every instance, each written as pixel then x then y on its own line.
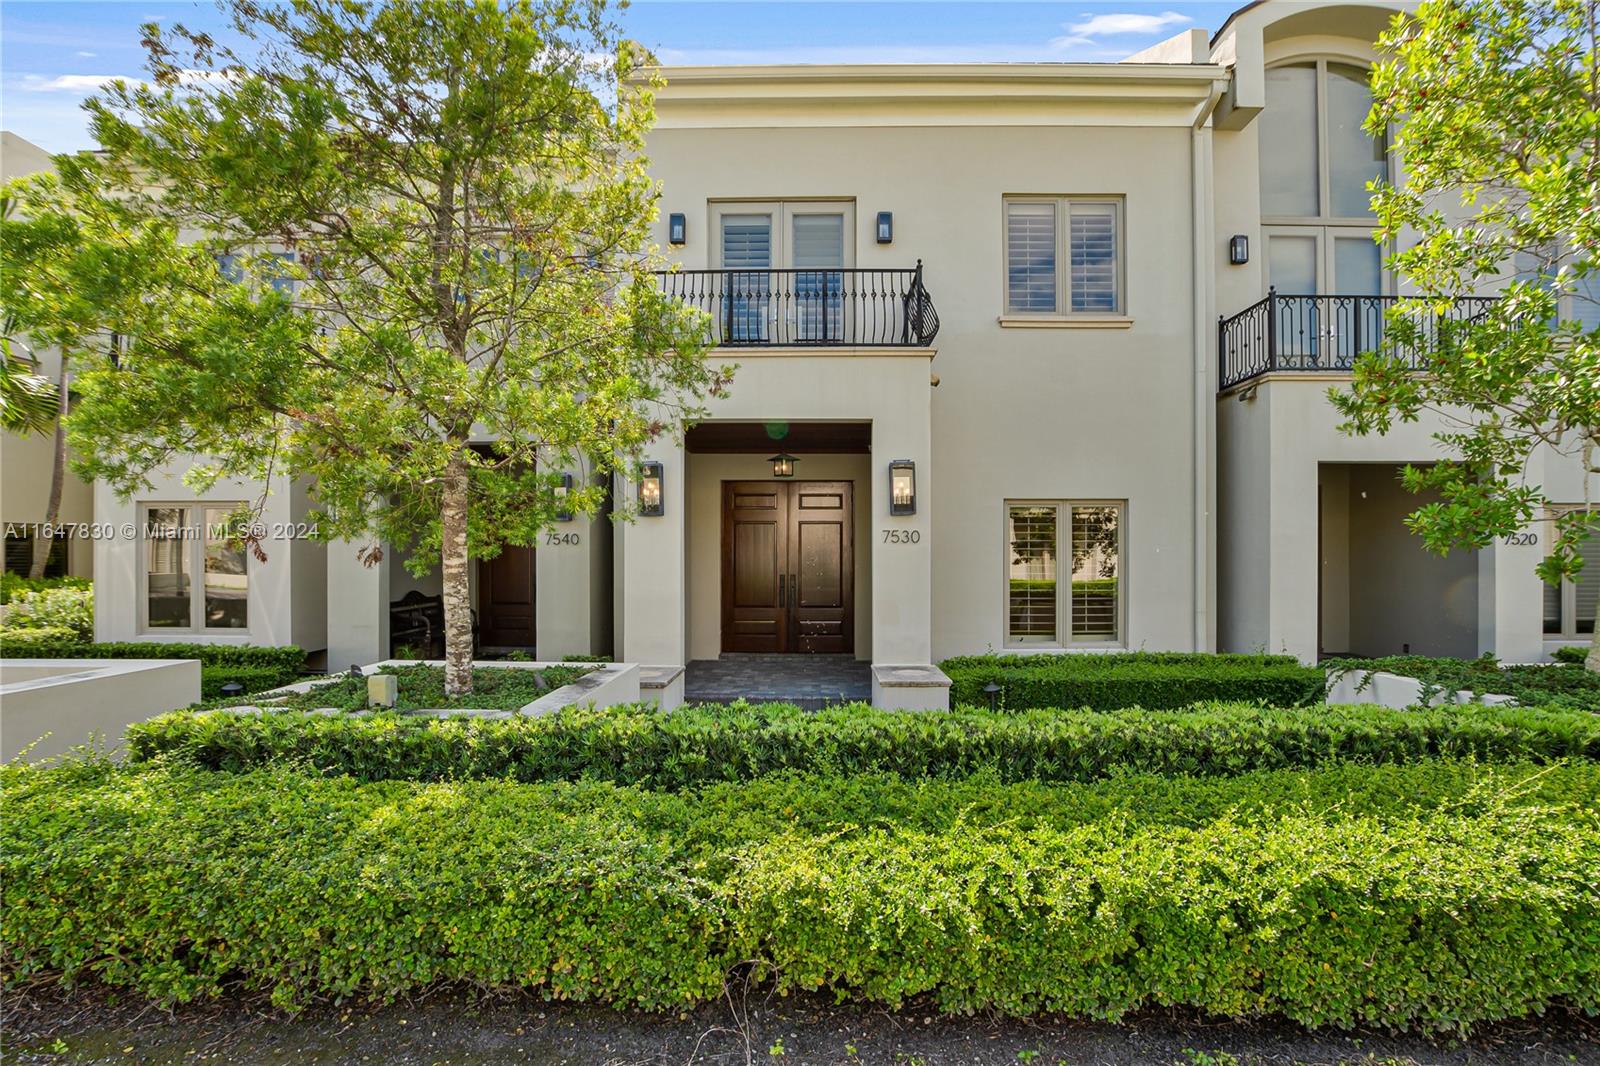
pixel 457 596
pixel 58 476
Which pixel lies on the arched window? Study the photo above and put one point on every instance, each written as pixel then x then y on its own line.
pixel 1316 161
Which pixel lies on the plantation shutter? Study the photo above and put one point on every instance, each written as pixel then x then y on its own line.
pixel 1031 573
pixel 1031 257
pixel 1096 589
pixel 1094 258
pixel 1588 586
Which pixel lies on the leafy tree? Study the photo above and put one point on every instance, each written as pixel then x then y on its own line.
pixel 1497 108
pixel 77 263
pixel 437 214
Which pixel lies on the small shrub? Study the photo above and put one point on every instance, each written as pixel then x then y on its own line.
pixel 1571 654
pixel 1106 682
pixel 68 608
pixel 1432 896
pixel 12 583
pixel 693 746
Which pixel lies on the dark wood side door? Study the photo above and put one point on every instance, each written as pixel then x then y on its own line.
pixel 506 599
pixel 788 576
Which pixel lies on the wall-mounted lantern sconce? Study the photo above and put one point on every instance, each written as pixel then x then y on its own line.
pixel 563 513
pixel 885 227
pixel 1239 249
pixel 902 487
pixel 652 501
pixel 782 465
pixel 677 229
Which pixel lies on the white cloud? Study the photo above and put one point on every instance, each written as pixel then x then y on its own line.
pixel 91 83
pixel 1119 24
pixel 86 55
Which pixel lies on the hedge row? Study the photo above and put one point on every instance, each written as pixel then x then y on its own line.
pixel 256 668
pixel 690 746
pixel 1560 684
pixel 1432 896
pixel 1131 679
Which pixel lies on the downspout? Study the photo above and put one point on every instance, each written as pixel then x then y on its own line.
pixel 1202 487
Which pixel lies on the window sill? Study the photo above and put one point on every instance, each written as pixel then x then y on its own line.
pixel 1065 321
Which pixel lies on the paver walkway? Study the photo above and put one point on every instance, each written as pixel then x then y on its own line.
pixel 811 681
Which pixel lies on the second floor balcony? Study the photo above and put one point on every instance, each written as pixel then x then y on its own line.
pixel 844 307
pixel 1321 334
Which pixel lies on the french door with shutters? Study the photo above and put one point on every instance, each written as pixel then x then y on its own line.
pixel 788 573
pixel 1329 274
pixel 783 261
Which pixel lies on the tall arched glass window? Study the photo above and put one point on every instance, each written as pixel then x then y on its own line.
pixel 1316 161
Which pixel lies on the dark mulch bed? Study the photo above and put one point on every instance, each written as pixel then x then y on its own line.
pixel 467 1029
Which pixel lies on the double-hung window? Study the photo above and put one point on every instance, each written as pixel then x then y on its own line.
pixel 1569 607
pixel 1063 256
pixel 196 577
pixel 1081 541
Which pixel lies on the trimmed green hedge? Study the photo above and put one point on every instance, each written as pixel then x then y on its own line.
pixel 1429 896
pixel 12 583
pixel 1107 682
pixel 691 746
pixel 1560 684
pixel 256 668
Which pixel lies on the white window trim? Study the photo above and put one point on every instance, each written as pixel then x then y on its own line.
pixel 1063 315
pixel 1063 508
pixel 197 574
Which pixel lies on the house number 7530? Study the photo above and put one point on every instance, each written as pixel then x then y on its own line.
pixel 902 536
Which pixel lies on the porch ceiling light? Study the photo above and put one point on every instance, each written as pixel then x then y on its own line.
pixel 652 500
pixel 902 487
pixel 563 512
pixel 782 465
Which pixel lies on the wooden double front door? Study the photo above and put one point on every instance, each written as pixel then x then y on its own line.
pixel 788 566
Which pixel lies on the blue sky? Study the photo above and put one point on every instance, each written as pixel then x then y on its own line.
pixel 54 54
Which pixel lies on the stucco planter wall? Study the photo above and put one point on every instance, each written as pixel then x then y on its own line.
pixel 1395 690
pixel 75 700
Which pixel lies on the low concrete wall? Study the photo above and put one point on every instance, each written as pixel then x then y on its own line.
pixel 1395 690
pixel 662 686
pixel 73 700
pixel 605 685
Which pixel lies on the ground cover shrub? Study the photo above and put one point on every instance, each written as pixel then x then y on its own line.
pixel 1560 685
pixel 70 608
pixel 421 686
pixel 1430 896
pixel 1571 654
pixel 12 583
pixel 1107 682
pixel 256 668
pixel 690 746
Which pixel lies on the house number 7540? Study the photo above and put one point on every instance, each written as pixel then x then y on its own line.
pixel 560 538
pixel 902 536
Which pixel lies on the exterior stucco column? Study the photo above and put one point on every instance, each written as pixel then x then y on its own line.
pixel 650 565
pixel 1510 598
pixel 358 607
pixel 902 545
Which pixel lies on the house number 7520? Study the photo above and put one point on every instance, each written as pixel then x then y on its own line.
pixel 902 536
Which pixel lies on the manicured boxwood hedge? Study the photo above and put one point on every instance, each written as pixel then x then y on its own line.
pixel 256 668
pixel 691 746
pixel 1560 684
pixel 1106 682
pixel 1429 896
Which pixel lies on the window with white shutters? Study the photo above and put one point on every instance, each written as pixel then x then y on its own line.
pixel 1056 269
pixel 1084 542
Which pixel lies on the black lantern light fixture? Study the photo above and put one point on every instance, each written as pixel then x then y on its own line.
pixel 885 227
pixel 1239 249
pixel 782 465
pixel 902 487
pixel 563 490
pixel 677 229
pixel 652 500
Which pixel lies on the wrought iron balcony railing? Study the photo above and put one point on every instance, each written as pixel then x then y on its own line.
pixel 845 307
pixel 1320 334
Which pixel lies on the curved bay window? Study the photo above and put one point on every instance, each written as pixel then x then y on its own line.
pixel 1316 214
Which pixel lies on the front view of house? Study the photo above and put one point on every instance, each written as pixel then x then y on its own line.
pixel 1029 357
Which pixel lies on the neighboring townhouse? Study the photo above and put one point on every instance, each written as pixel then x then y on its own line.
pixel 1030 357
pixel 26 461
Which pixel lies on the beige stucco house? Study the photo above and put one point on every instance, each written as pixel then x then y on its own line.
pixel 1030 357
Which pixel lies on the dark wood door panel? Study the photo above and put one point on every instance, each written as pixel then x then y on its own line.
pixel 506 598
pixel 788 573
